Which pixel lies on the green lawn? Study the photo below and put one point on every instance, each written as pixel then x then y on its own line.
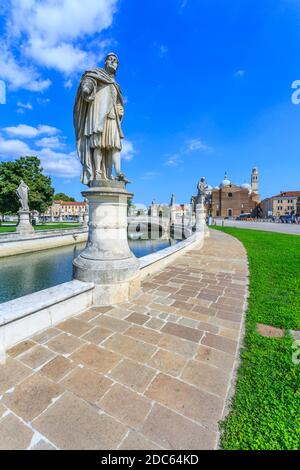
pixel 57 226
pixel 7 229
pixel 265 412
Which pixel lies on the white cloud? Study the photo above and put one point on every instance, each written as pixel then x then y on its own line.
pixel 62 20
pixel 240 73
pixel 13 148
pixel 58 34
pixel 163 51
pixel 24 105
pixel 59 164
pixel 128 150
pixel 64 57
pixel 50 142
pixel 29 132
pixel 183 4
pixel 174 160
pixel 196 144
pixel 20 76
pixel 190 146
pixel 43 101
pixel 68 84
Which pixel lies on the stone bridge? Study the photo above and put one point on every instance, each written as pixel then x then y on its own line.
pixel 160 225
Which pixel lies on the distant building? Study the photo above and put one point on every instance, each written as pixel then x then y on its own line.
pixel 284 203
pixel 62 210
pixel 266 208
pixel 163 210
pixel 231 200
pixel 183 210
pixel 298 206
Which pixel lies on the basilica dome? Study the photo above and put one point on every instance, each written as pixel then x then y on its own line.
pixel 225 183
pixel 247 186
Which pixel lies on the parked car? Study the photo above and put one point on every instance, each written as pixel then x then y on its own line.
pixel 244 216
pixel 287 219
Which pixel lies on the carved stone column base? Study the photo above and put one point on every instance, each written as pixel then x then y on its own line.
pixel 200 224
pixel 110 294
pixel 24 226
pixel 107 260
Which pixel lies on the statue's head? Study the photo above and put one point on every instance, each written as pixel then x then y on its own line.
pixel 111 63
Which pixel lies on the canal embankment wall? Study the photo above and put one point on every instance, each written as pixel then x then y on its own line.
pixel 14 244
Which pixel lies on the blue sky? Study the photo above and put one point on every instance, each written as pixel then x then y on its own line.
pixel 207 86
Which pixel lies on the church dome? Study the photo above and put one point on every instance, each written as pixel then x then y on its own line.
pixel 208 188
pixel 247 186
pixel 225 183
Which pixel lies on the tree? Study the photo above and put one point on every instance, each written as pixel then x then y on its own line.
pixel 29 170
pixel 63 197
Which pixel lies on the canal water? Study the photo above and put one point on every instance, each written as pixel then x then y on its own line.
pixel 24 274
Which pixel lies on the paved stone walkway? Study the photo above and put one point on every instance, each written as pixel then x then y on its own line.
pixel 152 373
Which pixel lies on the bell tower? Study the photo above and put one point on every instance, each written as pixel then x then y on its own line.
pixel 254 180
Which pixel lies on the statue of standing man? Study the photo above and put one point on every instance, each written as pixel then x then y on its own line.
pixel 98 113
pixel 22 193
pixel 201 191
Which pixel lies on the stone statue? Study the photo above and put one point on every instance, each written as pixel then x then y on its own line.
pixel 98 113
pixel 201 191
pixel 172 201
pixel 22 193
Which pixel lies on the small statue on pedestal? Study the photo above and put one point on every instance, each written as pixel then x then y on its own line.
pixel 201 191
pixel 22 193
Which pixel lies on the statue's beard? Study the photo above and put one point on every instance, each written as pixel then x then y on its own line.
pixel 110 70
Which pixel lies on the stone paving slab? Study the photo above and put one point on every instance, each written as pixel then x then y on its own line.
pixel 152 373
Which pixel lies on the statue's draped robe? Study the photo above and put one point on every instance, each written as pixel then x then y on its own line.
pixel 96 120
pixel 22 193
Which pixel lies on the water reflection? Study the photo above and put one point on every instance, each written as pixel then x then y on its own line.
pixel 24 274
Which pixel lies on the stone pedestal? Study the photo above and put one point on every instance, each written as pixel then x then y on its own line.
pixel 24 226
pixel 201 220
pixel 173 215
pixel 107 260
pixel 85 219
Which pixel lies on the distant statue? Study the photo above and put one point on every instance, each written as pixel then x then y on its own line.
pixel 201 191
pixel 22 193
pixel 172 201
pixel 98 113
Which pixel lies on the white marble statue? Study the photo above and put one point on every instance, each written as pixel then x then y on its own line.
pixel 98 113
pixel 201 191
pixel 22 193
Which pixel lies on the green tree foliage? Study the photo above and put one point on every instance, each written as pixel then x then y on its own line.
pixel 63 197
pixel 40 188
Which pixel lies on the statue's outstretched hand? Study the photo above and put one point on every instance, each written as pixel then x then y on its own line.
pixel 120 110
pixel 88 89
